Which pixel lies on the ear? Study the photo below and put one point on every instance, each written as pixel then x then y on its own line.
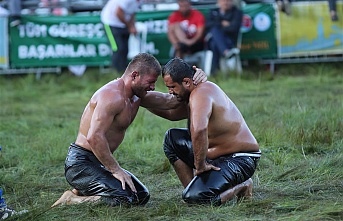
pixel 134 75
pixel 187 82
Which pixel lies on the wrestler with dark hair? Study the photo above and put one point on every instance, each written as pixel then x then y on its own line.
pixel 217 154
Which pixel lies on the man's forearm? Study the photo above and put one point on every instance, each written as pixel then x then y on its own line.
pixel 101 150
pixel 128 24
pixel 107 159
pixel 171 36
pixel 198 36
pixel 121 15
pixel 159 100
pixel 172 115
pixel 235 24
pixel 200 146
pixel 132 21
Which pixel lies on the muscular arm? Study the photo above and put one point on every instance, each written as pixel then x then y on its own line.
pixel 104 112
pixel 155 100
pixel 179 113
pixel 159 100
pixel 200 112
pixel 164 105
pixel 103 115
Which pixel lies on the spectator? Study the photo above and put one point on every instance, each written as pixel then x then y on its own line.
pixel 223 26
pixel 47 3
pixel 14 7
pixel 333 10
pixel 284 6
pixel 186 29
pixel 118 17
pixel 6 211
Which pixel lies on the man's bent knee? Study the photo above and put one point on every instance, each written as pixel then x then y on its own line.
pixel 199 193
pixel 194 197
pixel 168 146
pixel 143 198
pixel 206 188
pixel 139 199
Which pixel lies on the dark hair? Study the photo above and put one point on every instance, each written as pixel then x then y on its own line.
pixel 178 69
pixel 144 63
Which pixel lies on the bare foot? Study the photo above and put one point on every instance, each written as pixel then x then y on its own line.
pixel 69 198
pixel 64 198
pixel 246 191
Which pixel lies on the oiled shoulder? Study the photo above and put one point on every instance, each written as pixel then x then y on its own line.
pixel 206 89
pixel 111 94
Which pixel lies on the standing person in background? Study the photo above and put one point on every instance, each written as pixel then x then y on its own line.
pixel 333 10
pixel 186 29
pixel 14 7
pixel 223 25
pixel 118 17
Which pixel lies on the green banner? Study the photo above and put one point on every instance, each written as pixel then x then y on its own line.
pixel 258 32
pixel 259 35
pixel 80 39
pixel 157 40
pixel 315 33
pixel 59 41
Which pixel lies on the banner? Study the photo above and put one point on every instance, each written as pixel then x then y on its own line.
pixel 80 39
pixel 3 43
pixel 59 41
pixel 258 32
pixel 309 30
pixel 157 41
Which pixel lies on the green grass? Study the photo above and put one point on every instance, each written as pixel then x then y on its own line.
pixel 296 115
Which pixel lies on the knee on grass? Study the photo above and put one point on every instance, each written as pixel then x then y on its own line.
pixel 194 197
pixel 139 199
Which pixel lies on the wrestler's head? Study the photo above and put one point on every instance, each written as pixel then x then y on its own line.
pixel 144 70
pixel 178 77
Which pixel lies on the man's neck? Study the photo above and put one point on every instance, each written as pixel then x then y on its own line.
pixel 186 14
pixel 193 86
pixel 223 11
pixel 127 86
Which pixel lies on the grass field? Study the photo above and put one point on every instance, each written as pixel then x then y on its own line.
pixel 296 115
